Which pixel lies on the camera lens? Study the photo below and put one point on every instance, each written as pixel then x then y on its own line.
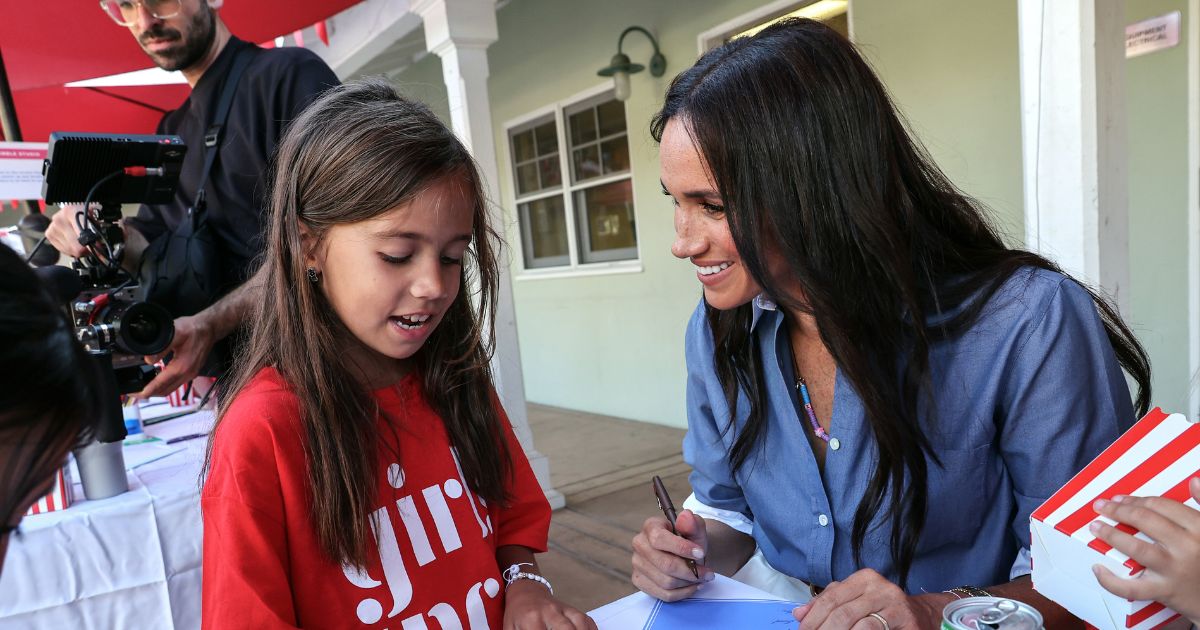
pixel 144 329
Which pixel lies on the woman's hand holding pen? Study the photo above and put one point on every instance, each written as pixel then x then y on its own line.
pixel 660 557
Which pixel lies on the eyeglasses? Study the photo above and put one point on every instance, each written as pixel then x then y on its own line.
pixel 126 12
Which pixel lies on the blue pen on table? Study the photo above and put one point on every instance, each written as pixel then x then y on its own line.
pixel 184 438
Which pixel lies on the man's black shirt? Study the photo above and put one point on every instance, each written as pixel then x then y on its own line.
pixel 277 85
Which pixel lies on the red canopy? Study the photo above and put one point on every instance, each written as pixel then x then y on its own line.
pixel 44 49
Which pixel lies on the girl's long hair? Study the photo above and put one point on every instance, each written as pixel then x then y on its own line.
pixel 812 161
pixel 357 152
pixel 49 393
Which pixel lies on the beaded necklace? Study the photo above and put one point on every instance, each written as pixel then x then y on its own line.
pixel 802 388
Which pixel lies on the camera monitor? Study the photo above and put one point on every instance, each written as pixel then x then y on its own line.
pixel 75 163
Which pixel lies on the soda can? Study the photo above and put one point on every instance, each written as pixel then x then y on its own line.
pixel 990 613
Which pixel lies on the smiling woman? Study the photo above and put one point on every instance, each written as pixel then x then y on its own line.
pixel 879 390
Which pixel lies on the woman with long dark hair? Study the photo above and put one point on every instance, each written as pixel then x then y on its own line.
pixel 880 391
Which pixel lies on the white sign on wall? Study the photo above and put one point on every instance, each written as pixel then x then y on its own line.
pixel 1150 35
pixel 21 170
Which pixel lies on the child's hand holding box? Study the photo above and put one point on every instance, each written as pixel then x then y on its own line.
pixel 1156 458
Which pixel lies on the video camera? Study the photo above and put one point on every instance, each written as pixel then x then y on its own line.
pixel 111 320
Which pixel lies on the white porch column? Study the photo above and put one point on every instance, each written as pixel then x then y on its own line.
pixel 1072 62
pixel 459 31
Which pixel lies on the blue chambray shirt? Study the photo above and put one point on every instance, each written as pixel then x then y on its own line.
pixel 1025 398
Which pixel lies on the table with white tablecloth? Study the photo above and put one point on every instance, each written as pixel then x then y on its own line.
pixel 129 561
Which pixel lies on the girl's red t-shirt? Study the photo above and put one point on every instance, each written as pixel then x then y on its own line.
pixel 434 564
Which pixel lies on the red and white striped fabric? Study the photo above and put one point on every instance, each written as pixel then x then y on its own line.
pixel 191 392
pixel 59 497
pixel 178 397
pixel 1156 457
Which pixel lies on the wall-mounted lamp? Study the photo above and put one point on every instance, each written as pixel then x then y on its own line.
pixel 620 68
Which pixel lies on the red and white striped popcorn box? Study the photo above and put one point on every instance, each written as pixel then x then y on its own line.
pixel 1157 457
pixel 59 497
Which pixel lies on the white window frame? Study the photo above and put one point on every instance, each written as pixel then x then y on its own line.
pixel 717 35
pixel 567 190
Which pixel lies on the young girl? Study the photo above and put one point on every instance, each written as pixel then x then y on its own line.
pixel 361 472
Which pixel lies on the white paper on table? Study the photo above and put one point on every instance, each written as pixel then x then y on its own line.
pixel 157 408
pixel 634 610
pixel 151 450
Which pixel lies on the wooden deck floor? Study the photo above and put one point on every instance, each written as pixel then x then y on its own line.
pixel 603 466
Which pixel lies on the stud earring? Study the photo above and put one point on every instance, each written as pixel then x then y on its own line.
pixel 313 276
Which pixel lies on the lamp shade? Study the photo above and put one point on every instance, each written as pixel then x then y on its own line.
pixel 621 88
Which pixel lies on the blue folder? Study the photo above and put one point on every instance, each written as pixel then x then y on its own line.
pixel 740 614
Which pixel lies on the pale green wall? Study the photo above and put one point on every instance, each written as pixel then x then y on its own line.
pixel 608 344
pixel 1157 111
pixel 613 344
pixel 423 81
pixel 952 68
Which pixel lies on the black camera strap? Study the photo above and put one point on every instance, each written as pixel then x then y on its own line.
pixel 212 138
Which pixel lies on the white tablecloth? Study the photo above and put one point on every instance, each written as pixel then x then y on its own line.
pixel 130 561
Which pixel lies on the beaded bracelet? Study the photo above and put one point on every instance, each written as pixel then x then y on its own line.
pixel 514 573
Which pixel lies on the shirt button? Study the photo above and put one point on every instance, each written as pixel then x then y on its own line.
pixel 823 520
pixel 835 444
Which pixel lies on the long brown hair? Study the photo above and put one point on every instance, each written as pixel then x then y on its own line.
pixel 809 153
pixel 357 152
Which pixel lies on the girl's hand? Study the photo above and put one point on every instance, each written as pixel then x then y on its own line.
pixel 530 606
pixel 660 567
pixel 848 605
pixel 1172 561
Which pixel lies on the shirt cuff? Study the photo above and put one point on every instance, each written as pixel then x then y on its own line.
pixel 736 520
pixel 1022 566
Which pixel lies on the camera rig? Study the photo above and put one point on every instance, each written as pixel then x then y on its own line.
pixel 111 320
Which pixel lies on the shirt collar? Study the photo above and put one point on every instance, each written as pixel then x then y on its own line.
pixel 762 306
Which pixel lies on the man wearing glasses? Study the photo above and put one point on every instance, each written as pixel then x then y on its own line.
pixel 189 36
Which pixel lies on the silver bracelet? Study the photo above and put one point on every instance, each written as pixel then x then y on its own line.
pixel 514 573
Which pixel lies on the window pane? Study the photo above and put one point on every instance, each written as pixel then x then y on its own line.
pixel 614 154
pixel 587 163
pixel 544 232
pixel 549 169
pixel 527 178
pixel 583 126
pixel 606 222
pixel 612 117
pixel 547 139
pixel 523 146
